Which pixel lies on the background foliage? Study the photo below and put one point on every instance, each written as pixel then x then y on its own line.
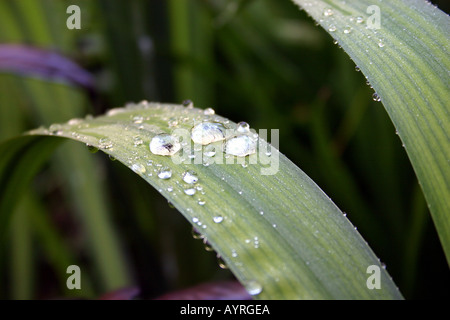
pixel 260 61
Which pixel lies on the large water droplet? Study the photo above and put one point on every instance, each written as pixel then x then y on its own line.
pixel 165 173
pixel 190 177
pixel 253 287
pixel 164 145
pixel 240 146
pixel 208 132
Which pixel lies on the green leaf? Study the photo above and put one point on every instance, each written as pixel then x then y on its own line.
pixel 406 61
pixel 275 229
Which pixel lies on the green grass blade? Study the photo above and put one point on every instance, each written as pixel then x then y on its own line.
pixel 406 61
pixel 279 232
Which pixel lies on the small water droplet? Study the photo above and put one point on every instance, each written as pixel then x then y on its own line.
pixel 218 219
pixel 240 146
pixel 105 143
pixel 328 12
pixel 196 234
pixel 347 29
pixel 138 168
pixel 376 97
pixel 209 112
pixel 138 119
pixel 332 28
pixel 243 127
pixel 137 140
pixel 357 69
pixel 253 287
pixel 164 145
pixel 380 43
pixel 165 173
pixel 208 132
pixel 190 177
pixel 190 191
pixel 359 20
pixel 92 149
pixel 210 153
pixel 201 202
pixel 169 189
pixel 221 262
pixel 172 122
pixel 207 245
pixel 188 104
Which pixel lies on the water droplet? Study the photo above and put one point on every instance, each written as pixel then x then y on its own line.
pixel 380 44
pixel 207 245
pixel 188 104
pixel 218 219
pixel 208 132
pixel 190 191
pixel 164 145
pixel 190 177
pixel 359 20
pixel 210 153
pixel 169 189
pixel 221 262
pixel 253 287
pixel 138 168
pixel 138 119
pixel 165 173
pixel 240 146
pixel 209 112
pixel 105 143
pixel 196 234
pixel 243 127
pixel 357 69
pixel 328 12
pixel 376 97
pixel 92 149
pixel 137 141
pixel 332 28
pixel 347 29
pixel 201 202
pixel 172 122
pixel 112 158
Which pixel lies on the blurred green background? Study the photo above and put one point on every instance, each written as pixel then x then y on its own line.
pixel 260 61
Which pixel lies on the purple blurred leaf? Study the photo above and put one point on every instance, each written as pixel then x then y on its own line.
pixel 47 64
pixel 230 290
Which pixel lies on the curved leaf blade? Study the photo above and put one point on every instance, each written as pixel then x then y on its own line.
pixel 403 47
pixel 279 234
